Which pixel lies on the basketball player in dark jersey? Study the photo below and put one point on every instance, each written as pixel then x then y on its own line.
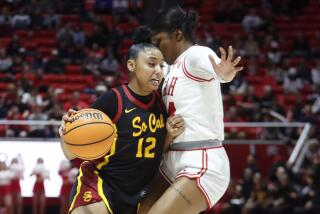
pixel 117 182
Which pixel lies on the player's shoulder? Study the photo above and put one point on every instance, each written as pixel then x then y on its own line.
pixel 197 50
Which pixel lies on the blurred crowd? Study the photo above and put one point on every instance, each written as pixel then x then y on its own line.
pixel 281 191
pixel 56 55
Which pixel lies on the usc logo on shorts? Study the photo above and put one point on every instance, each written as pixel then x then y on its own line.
pixel 87 196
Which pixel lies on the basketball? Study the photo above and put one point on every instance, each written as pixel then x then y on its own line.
pixel 90 134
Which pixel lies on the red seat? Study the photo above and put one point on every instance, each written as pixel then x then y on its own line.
pixel 73 69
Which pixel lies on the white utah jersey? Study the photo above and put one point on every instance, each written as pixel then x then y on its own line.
pixel 192 90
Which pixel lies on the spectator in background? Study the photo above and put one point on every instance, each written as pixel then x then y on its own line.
pixel 54 64
pixel 278 71
pixel 120 6
pixel 258 196
pixel 77 54
pixel 267 99
pixel 75 103
pixel 109 64
pixel 64 52
pixel 21 19
pixel 315 73
pixel 14 46
pixel 91 64
pixel 274 56
pixel 238 45
pixel 39 198
pixel 5 179
pixel 292 83
pixel 37 62
pixel 51 19
pixel 300 46
pixel 252 21
pixel 5 17
pixel 238 85
pixel 304 73
pixel 38 130
pixel 5 61
pixel 32 98
pixel 65 34
pixel 251 47
pixel 16 168
pixel 283 192
pixel 79 38
pixel 16 130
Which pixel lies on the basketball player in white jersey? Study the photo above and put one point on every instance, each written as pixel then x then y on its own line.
pixel 196 166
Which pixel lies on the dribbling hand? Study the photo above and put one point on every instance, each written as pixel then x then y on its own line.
pixel 66 118
pixel 226 69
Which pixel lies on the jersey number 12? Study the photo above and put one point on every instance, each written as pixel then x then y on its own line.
pixel 151 141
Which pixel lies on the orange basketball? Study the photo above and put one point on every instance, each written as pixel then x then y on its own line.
pixel 90 134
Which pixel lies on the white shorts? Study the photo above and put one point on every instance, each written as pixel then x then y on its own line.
pixel 209 167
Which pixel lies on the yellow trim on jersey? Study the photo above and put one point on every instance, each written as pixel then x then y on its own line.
pixel 112 150
pixel 78 189
pixel 101 193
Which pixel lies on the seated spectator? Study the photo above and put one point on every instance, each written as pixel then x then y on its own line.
pixel 258 197
pixel 315 73
pixel 304 73
pixel 238 85
pixel 51 19
pixel 109 65
pixel 252 21
pixel 78 54
pixel 300 46
pixel 79 38
pixel 5 17
pixel 37 62
pixel 21 20
pixel 54 64
pixel 283 193
pixel 120 6
pixel 64 52
pixel 38 130
pixel 16 130
pixel 32 98
pixel 14 46
pixel 251 46
pixel 292 83
pixel 75 103
pixel 65 34
pixel 5 61
pixel 91 64
pixel 274 55
pixel 267 99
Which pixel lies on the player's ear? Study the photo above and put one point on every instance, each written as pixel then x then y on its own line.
pixel 131 65
pixel 178 35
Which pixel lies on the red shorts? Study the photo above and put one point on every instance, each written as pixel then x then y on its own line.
pixel 15 186
pixel 90 188
pixel 65 189
pixel 5 190
pixel 38 187
pixel 87 191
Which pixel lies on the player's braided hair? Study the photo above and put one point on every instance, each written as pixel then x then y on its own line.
pixel 176 18
pixel 142 38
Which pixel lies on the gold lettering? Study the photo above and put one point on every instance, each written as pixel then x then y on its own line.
pixel 136 124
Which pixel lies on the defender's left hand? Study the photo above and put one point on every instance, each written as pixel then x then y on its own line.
pixel 226 69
